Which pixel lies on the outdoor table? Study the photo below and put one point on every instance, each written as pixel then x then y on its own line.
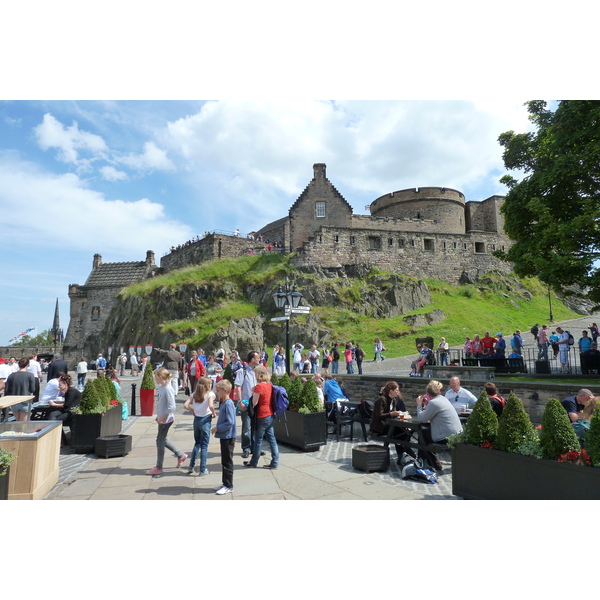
pixel 412 428
pixel 463 416
pixel 8 401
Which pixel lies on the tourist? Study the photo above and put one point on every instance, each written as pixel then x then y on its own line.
pixel 297 348
pixel 416 367
pixel 593 331
pixel 165 417
pixel 71 397
pixel 582 425
pixel 56 367
pixel 50 392
pixel 225 431
pixel 389 405
pixel 488 344
pixel 305 362
pixel 335 359
pixel 280 361
pixel 499 347
pixel 313 356
pixel 359 354
pixel 201 404
pixel 477 346
pixel 498 402
pixel 468 347
pixel 378 349
pixel 563 349
pixel 443 420
pixel 318 379
pixel 585 342
pixel 553 339
pixel 135 367
pixel 263 415
pixel 460 398
pixel 516 343
pixel 173 362
pixel 534 331
pixel 442 352
pixel 81 372
pixel 20 383
pixel 349 359
pixel 245 380
pixel 574 405
pixel 213 370
pixel 326 358
pixel 543 342
pixel 194 371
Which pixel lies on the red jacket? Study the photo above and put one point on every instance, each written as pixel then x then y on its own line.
pixel 200 371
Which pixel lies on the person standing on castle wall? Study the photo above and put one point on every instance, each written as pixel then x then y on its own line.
pixel 335 359
pixel 442 351
pixel 348 359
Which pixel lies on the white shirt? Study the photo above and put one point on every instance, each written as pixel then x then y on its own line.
pixel 82 366
pixel 34 367
pixel 461 398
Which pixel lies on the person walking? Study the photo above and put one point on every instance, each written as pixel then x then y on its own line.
pixel 359 354
pixel 165 417
pixel 81 373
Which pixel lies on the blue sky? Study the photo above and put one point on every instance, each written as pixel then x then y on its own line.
pixel 121 177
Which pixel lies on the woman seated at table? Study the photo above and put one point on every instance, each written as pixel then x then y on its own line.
pixel 443 420
pixel 72 397
pixel 389 406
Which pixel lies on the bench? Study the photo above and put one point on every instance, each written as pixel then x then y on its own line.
pixel 467 372
pixel 499 365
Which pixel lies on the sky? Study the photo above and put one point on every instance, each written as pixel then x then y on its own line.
pixel 119 178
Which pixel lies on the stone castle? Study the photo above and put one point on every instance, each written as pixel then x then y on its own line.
pixel 429 232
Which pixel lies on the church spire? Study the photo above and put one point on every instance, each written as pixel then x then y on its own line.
pixel 56 332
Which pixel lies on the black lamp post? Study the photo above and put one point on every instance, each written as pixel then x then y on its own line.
pixel 287 298
pixel 550 303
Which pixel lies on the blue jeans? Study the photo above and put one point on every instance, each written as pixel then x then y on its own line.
pixel 246 431
pixel 443 359
pixel 350 368
pixel 335 365
pixel 201 437
pixel 264 428
pixel 81 378
pixel 162 442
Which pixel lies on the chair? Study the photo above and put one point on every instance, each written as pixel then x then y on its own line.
pixel 346 417
pixel 470 361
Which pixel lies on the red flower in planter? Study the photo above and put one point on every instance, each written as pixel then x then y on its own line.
pixel 575 457
pixel 487 444
pixel 114 402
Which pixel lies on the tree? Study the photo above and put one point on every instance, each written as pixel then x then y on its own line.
pixel 514 426
pixel 553 213
pixel 557 437
pixel 482 425
pixel 46 338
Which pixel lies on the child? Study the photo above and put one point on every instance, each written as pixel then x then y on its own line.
pixel 165 416
pixel 201 403
pixel 226 431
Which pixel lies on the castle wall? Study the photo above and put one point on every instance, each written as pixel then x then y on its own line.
pixel 445 207
pixel 438 256
pixel 485 215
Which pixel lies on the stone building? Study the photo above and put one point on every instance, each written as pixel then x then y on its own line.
pixel 92 302
pixel 429 232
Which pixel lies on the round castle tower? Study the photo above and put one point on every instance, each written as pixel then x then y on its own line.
pixel 444 206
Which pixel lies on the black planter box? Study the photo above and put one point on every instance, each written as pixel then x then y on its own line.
pixel 113 445
pixel 306 432
pixel 4 484
pixel 485 474
pixel 371 457
pixel 85 429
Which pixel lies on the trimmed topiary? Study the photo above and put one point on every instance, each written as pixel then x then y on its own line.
pixel 274 379
pixel 91 399
pixel 294 393
pixel 482 425
pixel 309 398
pixel 148 382
pixel 285 382
pixel 592 438
pixel 557 437
pixel 514 427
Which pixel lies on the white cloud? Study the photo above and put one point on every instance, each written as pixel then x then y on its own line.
pixel 111 174
pixel 51 133
pixel 153 158
pixel 58 212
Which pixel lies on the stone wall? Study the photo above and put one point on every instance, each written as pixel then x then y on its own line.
pixel 430 255
pixel 534 395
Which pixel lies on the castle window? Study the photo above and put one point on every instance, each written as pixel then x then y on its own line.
pixel 320 209
pixel 336 238
pixel 390 242
pixel 464 245
pixel 412 243
pixel 374 243
pixel 400 243
pixel 479 248
pixel 428 245
pixel 454 245
pixel 443 245
pixel 352 240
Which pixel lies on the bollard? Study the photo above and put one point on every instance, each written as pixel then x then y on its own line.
pixel 133 386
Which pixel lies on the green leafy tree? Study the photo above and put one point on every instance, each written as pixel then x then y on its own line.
pixel 294 393
pixel 46 338
pixel 274 379
pixel 514 426
pixel 551 214
pixel 482 425
pixel 557 437
pixel 592 438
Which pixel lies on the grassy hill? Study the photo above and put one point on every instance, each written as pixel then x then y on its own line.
pixel 496 303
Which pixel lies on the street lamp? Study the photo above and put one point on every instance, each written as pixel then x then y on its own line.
pixel 550 303
pixel 288 299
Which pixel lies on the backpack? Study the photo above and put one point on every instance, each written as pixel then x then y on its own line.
pixel 571 338
pixel 500 399
pixel 279 401
pixel 415 471
pixel 365 409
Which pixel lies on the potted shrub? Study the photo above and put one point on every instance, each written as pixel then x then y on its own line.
pixel 97 415
pixel 519 465
pixel 6 458
pixel 147 392
pixel 303 425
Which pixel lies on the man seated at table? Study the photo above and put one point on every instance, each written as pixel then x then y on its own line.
pixel 443 420
pixel 575 404
pixel 51 391
pixel 459 397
